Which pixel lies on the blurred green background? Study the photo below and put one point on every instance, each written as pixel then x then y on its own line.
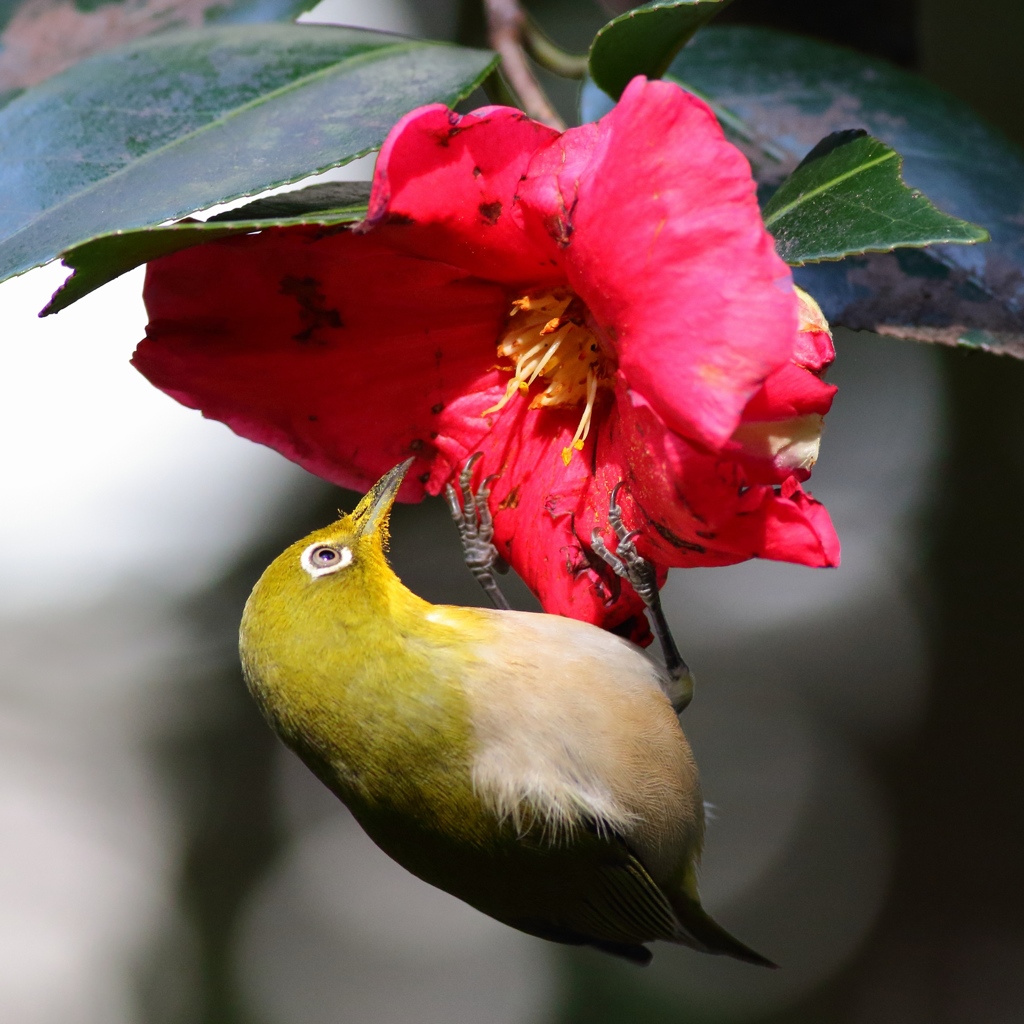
pixel 165 860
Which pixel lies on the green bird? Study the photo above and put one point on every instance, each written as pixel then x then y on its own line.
pixel 529 764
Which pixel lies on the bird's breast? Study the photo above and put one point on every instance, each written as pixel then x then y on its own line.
pixel 388 731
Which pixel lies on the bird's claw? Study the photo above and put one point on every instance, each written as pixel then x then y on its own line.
pixel 472 515
pixel 630 565
pixel 626 561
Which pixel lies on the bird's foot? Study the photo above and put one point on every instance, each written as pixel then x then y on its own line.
pixel 472 516
pixel 628 563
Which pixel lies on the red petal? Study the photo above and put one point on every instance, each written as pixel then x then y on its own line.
pixel 328 346
pixel 450 181
pixel 790 391
pixel 798 529
pixel 663 239
pixel 814 349
pixel 699 508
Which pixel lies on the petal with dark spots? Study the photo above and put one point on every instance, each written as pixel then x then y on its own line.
pixel 443 188
pixel 221 339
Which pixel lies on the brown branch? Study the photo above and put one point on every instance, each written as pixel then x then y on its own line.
pixel 505 28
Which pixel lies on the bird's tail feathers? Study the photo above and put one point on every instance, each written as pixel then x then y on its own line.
pixel 702 932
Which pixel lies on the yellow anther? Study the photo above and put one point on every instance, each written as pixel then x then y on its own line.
pixel 544 343
pixel 567 452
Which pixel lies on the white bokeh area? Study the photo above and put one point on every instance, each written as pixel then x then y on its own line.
pixel 105 479
pixel 116 502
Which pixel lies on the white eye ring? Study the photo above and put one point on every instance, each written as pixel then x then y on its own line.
pixel 317 559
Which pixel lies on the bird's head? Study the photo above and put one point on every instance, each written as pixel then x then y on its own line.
pixel 341 567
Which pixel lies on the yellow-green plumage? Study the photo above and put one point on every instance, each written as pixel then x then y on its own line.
pixel 529 764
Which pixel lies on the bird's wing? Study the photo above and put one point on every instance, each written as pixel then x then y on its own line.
pixel 625 904
pixel 613 903
pixel 596 892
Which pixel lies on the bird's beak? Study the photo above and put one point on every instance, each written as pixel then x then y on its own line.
pixel 372 512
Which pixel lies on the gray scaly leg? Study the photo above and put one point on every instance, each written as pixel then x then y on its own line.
pixel 472 516
pixel 628 564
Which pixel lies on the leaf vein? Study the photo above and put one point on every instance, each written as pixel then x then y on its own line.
pixel 825 186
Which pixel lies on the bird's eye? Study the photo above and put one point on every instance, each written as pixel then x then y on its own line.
pixel 321 559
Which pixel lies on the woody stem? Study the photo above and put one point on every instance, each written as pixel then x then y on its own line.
pixel 506 29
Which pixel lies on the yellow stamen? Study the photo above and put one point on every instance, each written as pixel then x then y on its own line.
pixel 547 337
pixel 584 428
pixel 548 356
pixel 528 355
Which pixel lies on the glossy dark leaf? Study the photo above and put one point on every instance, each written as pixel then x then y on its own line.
pixel 644 41
pixel 102 259
pixel 847 197
pixel 40 38
pixel 184 121
pixel 779 94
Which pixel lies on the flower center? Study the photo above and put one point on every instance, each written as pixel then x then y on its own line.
pixel 547 339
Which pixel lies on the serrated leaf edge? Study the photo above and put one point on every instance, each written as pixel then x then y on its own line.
pixel 980 234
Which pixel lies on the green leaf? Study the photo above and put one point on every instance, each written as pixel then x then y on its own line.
pixel 847 197
pixel 101 260
pixel 782 93
pixel 40 38
pixel 790 91
pixel 183 121
pixel 644 41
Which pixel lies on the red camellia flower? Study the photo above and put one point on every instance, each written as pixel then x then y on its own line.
pixel 584 308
